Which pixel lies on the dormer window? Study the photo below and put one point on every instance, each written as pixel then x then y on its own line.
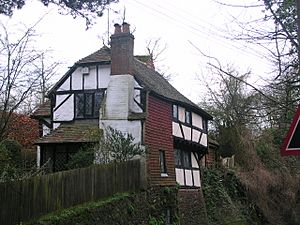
pixel 188 117
pixel 175 112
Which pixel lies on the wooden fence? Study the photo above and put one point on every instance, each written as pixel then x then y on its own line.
pixel 27 199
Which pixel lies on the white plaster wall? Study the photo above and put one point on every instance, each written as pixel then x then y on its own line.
pixel 125 126
pixel 194 161
pixel 135 107
pixel 77 79
pixel 55 125
pixel 196 135
pixel 187 132
pixel 179 176
pixel 181 114
pixel 59 99
pixel 197 120
pixel 66 111
pixel 176 130
pixel 104 76
pixel 188 178
pixel 65 86
pixel 90 79
pixel 136 84
pixel 197 181
pixel 119 97
pixel 46 130
pixel 204 140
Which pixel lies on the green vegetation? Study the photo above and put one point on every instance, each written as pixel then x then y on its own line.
pixel 226 200
pixel 147 207
pixel 114 147
pixel 10 158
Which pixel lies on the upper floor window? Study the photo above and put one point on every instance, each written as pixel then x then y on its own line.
pixel 87 104
pixel 188 118
pixel 175 111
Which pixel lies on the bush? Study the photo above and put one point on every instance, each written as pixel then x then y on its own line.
pixel 118 147
pixel 13 149
pixel 83 158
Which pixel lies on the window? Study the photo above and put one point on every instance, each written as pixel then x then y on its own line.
pixel 175 111
pixel 182 158
pixel 87 105
pixel 188 117
pixel 162 162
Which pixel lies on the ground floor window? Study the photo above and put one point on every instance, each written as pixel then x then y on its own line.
pixel 57 156
pixel 182 158
pixel 162 162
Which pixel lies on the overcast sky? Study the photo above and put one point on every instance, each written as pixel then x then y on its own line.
pixel 207 24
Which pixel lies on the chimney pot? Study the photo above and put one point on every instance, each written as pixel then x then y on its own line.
pixel 125 27
pixel 117 28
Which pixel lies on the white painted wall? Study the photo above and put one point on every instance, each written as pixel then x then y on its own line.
pixel 204 140
pixel 55 125
pixel 90 79
pixel 119 97
pixel 179 176
pixel 176 130
pixel 104 76
pixel 132 127
pixel 197 182
pixel 66 111
pixel 194 161
pixel 187 132
pixel 188 178
pixel 196 135
pixel 77 79
pixel 46 130
pixel 65 86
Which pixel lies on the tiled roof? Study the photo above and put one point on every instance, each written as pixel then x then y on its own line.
pixel 151 79
pixel 72 133
pixel 102 55
pixel 148 77
pixel 43 110
pixel 159 85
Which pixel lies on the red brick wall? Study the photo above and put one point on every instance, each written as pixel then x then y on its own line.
pixel 210 158
pixel 158 136
pixel 191 206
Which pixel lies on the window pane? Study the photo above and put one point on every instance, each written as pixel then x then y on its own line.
pixel 177 156
pixel 88 104
pixel 79 105
pixel 162 162
pixel 187 159
pixel 188 117
pixel 175 111
pixel 98 101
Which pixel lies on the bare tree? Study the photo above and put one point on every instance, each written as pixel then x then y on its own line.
pixel 17 76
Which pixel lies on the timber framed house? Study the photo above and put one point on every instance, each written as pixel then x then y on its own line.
pixel 112 87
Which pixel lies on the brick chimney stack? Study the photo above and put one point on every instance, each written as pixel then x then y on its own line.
pixel 122 42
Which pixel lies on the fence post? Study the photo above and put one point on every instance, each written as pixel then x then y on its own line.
pixel 143 173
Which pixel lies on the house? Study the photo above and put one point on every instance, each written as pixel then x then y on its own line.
pixel 112 87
